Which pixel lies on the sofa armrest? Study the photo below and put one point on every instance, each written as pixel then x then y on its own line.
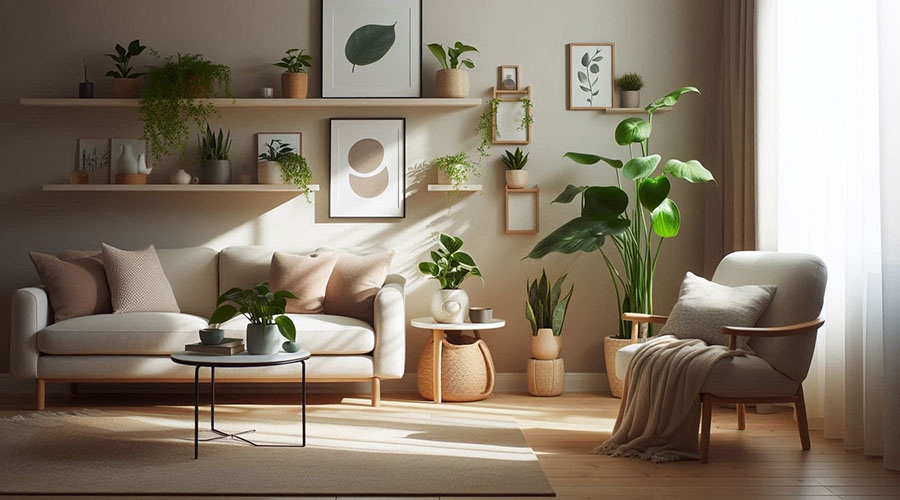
pixel 390 328
pixel 30 314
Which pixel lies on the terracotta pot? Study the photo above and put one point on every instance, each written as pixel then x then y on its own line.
pixel 546 377
pixel 467 370
pixel 516 179
pixel 131 178
pixel 545 345
pixel 269 172
pixel 79 177
pixel 451 83
pixel 611 346
pixel 450 306
pixel 124 88
pixel 294 85
pixel 631 98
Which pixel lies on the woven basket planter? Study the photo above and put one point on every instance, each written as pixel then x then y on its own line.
pixel 467 370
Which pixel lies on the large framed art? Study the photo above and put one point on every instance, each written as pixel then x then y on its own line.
pixel 367 168
pixel 371 48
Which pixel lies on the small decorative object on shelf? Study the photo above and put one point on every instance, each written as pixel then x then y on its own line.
pixel 79 177
pixel 522 210
pixel 129 156
pixel 452 80
pixel 631 85
pixel 85 88
pixel 545 309
pixel 125 84
pixel 215 165
pixel 290 346
pixel 508 77
pixel 454 170
pixel 128 169
pixel 267 92
pixel 516 175
pixel 294 80
pixel 212 336
pixel 481 314
pixel 94 160
pixel 264 309
pixel 590 75
pixel 450 267
pixel 182 177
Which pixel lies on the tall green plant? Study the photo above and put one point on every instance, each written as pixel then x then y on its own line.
pixel 604 211
pixel 546 306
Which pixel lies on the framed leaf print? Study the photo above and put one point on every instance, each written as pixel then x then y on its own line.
pixel 371 48
pixel 590 71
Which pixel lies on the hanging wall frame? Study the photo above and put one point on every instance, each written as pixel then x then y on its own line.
pixel 512 119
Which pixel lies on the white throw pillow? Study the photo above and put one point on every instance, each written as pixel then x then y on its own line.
pixel 137 282
pixel 704 307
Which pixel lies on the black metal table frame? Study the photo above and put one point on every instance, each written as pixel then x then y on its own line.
pixel 237 435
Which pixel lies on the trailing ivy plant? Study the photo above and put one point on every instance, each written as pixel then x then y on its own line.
pixel 527 117
pixel 603 212
pixel 122 57
pixel 485 128
pixel 294 169
pixel 169 100
pixel 458 168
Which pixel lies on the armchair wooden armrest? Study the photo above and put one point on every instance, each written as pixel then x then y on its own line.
pixel 771 331
pixel 638 318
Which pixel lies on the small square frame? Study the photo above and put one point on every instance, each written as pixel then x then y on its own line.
pixel 500 76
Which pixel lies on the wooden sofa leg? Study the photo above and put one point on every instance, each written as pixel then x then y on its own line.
pixel 741 416
pixel 705 424
pixel 802 423
pixel 39 393
pixel 376 392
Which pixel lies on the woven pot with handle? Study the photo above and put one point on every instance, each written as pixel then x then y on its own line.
pixel 467 369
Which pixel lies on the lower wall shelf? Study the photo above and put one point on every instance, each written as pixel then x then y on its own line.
pixel 180 188
pixel 451 187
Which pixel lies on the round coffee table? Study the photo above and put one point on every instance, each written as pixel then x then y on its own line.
pixel 438 332
pixel 242 360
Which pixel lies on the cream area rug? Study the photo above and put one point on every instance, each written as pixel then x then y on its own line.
pixel 102 452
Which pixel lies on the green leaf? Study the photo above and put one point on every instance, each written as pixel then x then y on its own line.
pixel 582 77
pixel 585 59
pixel 222 314
pixel 589 159
pixel 369 43
pixel 429 268
pixel 134 48
pixel 669 99
pixel 595 68
pixel 604 202
pixel 640 167
pixel 465 259
pixel 559 313
pixel 569 194
pixel 691 171
pixel 666 219
pixel 585 234
pixel 529 315
pixel 284 294
pixel 438 51
pixel 287 328
pixel 653 191
pixel 467 63
pixel 112 74
pixel 450 243
pixel 120 50
pixel 632 131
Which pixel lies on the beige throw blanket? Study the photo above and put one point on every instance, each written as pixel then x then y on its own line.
pixel 660 410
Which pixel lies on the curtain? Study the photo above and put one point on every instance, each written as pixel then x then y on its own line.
pixel 827 185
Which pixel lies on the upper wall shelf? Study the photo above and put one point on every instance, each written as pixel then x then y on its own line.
pixel 632 111
pixel 159 188
pixel 265 103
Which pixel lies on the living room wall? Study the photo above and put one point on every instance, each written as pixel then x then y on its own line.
pixel 671 43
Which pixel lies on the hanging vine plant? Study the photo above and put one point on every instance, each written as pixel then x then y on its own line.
pixel 527 118
pixel 169 100
pixel 485 127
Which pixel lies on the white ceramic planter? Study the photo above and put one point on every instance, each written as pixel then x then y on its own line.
pixel 450 306
pixel 269 172
pixel 631 98
pixel 263 339
pixel 545 345
pixel 516 179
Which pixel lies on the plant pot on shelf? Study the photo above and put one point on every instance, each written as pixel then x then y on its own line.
pixel 124 88
pixel 611 346
pixel 546 378
pixel 545 345
pixel 269 172
pixel 294 85
pixel 631 98
pixel 517 179
pixel 467 370
pixel 450 306
pixel 215 172
pixel 451 83
pixel 443 178
pixel 263 339
pixel 131 178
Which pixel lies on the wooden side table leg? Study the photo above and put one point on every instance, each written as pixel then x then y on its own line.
pixel 437 339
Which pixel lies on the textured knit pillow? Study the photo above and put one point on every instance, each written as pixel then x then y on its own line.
pixel 76 284
pixel 704 307
pixel 137 282
pixel 306 276
pixel 353 284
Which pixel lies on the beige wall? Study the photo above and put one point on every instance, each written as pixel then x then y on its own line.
pixel 671 43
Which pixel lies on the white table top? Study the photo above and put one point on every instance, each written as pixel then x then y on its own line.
pixel 430 324
pixel 238 360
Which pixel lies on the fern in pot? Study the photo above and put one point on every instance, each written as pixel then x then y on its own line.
pixel 546 309
pixel 454 169
pixel 265 312
pixel 280 164
pixel 516 175
pixel 450 267
pixel 215 165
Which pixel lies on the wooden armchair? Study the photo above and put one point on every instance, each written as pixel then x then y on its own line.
pixel 782 354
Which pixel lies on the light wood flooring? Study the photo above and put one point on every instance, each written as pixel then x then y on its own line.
pixel 763 461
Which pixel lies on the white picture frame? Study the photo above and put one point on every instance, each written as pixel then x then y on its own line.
pixel 357 60
pixel 367 168
pixel 138 147
pixel 93 158
pixel 590 76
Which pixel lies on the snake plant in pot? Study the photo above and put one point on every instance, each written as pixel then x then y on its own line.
pixel 265 312
pixel 546 310
pixel 637 235
pixel 215 164
pixel 450 267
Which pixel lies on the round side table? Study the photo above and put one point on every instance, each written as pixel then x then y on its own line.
pixel 438 332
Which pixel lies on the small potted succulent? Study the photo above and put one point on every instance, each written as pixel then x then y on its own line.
pixel 546 310
pixel 125 84
pixel 294 80
pixel 450 267
pixel 280 164
pixel 631 85
pixel 452 80
pixel 454 169
pixel 516 175
pixel 215 165
pixel 265 311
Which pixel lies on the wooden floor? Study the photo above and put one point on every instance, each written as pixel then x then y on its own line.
pixel 763 461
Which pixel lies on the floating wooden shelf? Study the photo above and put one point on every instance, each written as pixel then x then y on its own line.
pixel 266 103
pixel 632 111
pixel 450 187
pixel 180 188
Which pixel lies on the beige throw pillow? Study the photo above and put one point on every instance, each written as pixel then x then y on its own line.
pixel 353 284
pixel 137 282
pixel 76 284
pixel 306 276
pixel 704 307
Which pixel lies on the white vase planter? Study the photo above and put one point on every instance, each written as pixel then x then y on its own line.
pixel 269 172
pixel 450 306
pixel 517 179
pixel 263 339
pixel 545 345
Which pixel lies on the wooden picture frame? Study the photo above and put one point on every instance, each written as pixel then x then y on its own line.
pixel 501 72
pixel 508 105
pixel 573 98
pixel 532 192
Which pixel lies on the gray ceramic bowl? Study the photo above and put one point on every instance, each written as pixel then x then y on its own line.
pixel 212 336
pixel 481 314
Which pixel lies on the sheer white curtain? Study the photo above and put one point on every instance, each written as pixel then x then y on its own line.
pixel 827 139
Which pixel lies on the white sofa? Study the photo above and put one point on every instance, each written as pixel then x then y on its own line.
pixel 135 347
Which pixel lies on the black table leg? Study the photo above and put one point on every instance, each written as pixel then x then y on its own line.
pixel 303 392
pixel 196 410
pixel 212 397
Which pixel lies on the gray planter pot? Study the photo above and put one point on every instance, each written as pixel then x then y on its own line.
pixel 631 98
pixel 215 172
pixel 263 339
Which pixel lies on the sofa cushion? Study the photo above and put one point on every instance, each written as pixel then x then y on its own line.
pixel 305 276
pixel 127 333
pixel 353 284
pixel 320 333
pixel 194 275
pixel 245 266
pixel 76 284
pixel 137 282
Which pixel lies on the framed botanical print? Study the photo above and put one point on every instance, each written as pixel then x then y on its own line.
pixel 371 48
pixel 93 158
pixel 590 80
pixel 367 168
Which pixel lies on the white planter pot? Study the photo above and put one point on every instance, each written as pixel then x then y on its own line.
pixel 450 306
pixel 269 172
pixel 545 345
pixel 263 339
pixel 631 98
pixel 516 179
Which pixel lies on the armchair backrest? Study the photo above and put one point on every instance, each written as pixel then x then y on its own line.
pixel 800 279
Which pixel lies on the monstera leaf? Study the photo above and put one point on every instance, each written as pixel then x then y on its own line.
pixel 585 234
pixel 369 43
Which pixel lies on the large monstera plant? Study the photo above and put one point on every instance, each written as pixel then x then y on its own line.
pixel 636 234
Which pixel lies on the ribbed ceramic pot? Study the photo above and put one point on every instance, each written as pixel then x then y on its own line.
pixel 263 339
pixel 269 172
pixel 294 85
pixel 215 172
pixel 451 83
pixel 545 345
pixel 450 306
pixel 516 179
pixel 124 88
pixel 611 346
pixel 631 98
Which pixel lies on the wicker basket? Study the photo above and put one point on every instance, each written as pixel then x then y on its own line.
pixel 467 370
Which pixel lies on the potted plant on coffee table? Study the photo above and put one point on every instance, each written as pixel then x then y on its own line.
pixel 265 311
pixel 450 267
pixel 215 165
pixel 516 175
pixel 125 84
pixel 280 164
pixel 294 80
pixel 452 80
pixel 546 309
